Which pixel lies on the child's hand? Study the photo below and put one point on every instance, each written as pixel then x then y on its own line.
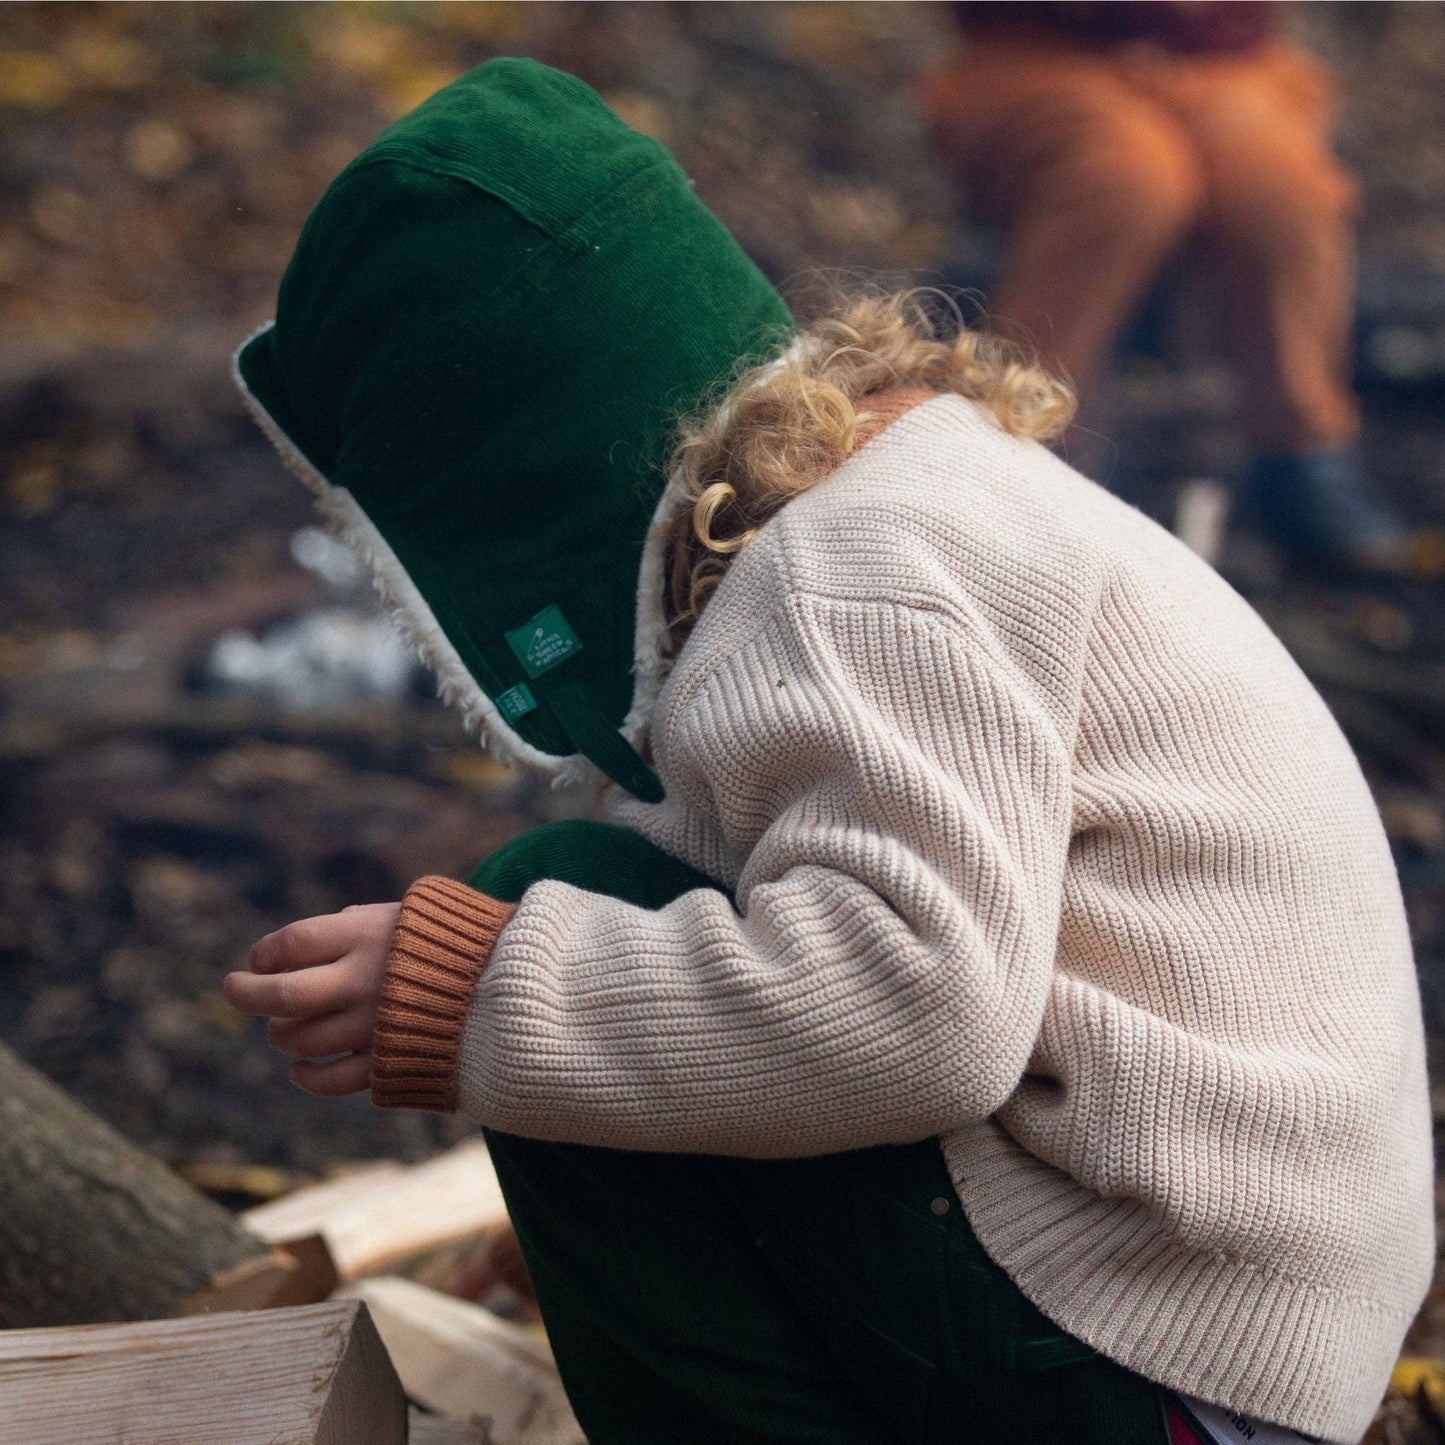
pixel 319 982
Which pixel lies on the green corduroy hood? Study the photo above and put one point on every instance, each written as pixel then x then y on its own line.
pixel 492 322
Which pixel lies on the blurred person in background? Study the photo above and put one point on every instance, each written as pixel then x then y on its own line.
pixel 1107 135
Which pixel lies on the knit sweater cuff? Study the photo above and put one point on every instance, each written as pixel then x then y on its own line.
pixel 444 936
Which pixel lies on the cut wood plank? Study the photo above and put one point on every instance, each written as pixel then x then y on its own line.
pixel 317 1375
pixel 281 1278
pixel 94 1230
pixel 464 1362
pixel 303 1211
pixel 382 1215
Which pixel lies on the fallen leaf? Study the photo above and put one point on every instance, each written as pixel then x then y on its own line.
pixel 32 80
pixel 156 151
pixel 1414 1375
pixel 405 89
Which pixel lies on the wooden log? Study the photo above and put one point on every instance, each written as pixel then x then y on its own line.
pixel 373 1218
pixel 94 1229
pixel 465 1363
pixel 317 1375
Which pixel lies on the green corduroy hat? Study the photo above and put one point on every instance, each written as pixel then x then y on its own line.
pixel 492 322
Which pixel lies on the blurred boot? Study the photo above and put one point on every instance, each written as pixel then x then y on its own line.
pixel 1319 508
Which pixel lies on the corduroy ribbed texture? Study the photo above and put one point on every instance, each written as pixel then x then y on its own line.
pixel 444 936
pixel 1041 843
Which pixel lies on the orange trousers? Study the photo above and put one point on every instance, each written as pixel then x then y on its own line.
pixel 1103 161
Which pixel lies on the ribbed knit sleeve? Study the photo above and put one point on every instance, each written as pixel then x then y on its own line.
pixel 902 805
pixel 444 936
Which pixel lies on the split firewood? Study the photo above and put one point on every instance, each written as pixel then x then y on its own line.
pixel 465 1363
pixel 385 1213
pixel 95 1230
pixel 316 1375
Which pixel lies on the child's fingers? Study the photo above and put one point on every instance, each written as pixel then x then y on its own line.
pixel 322 990
pixel 315 1038
pixel 332 1079
pixel 302 944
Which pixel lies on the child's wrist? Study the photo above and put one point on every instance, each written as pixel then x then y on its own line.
pixel 444 936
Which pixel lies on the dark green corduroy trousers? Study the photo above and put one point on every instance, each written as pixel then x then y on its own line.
pixel 836 1300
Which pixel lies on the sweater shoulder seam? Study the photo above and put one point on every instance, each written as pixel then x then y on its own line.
pixel 943 620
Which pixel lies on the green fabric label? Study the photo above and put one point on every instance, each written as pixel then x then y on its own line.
pixel 544 641
pixel 516 702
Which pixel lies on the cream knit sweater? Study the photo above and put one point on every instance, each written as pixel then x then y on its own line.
pixel 1042 844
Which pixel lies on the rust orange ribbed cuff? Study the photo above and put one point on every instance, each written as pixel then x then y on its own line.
pixel 444 936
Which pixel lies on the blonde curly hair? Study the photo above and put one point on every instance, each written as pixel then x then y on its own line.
pixel 786 425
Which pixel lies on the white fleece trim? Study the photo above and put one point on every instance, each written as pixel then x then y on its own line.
pixel 344 518
pixel 650 661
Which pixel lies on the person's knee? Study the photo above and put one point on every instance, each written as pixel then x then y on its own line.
pixel 1138 189
pixel 1281 205
pixel 1158 190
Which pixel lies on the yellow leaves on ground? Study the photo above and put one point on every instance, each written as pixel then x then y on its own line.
pixel 394 60
pixel 164 157
pixel 32 80
pixel 87 59
pixel 1414 1374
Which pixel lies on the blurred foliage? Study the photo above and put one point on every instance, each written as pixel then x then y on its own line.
pixel 157 160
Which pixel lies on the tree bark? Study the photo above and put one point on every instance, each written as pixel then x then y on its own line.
pixel 93 1230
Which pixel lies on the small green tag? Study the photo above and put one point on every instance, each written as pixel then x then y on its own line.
pixel 544 641
pixel 516 702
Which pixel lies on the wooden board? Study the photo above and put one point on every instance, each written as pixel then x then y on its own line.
pixel 382 1215
pixel 317 1375
pixel 463 1362
pixel 303 1211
